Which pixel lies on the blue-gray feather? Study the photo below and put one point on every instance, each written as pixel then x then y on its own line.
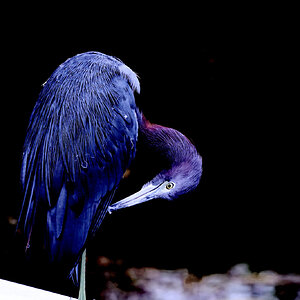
pixel 81 138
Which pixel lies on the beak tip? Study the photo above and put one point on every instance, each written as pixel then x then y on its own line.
pixel 145 194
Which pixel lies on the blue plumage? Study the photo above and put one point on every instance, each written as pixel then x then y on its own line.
pixel 81 138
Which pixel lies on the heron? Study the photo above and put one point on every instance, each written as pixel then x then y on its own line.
pixel 81 138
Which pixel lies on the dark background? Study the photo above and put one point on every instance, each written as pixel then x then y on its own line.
pixel 221 77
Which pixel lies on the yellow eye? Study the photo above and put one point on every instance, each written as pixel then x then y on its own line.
pixel 170 185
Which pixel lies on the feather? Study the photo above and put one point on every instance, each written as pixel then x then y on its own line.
pixel 60 209
pixel 131 76
pixel 78 145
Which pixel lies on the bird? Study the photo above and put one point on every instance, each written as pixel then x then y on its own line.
pixel 81 138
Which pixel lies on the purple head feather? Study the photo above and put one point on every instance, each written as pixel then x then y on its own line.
pixel 184 165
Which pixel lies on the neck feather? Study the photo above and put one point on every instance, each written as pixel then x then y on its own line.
pixel 167 142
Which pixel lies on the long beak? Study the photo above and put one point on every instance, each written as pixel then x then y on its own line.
pixel 145 194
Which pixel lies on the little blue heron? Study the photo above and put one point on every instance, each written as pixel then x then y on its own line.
pixel 81 138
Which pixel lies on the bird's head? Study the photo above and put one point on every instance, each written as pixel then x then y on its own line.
pixel 182 175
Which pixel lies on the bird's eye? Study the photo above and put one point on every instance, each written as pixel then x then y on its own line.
pixel 170 185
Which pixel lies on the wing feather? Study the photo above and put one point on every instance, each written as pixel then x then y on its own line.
pixel 80 140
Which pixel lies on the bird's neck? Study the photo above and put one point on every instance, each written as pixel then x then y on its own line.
pixel 169 143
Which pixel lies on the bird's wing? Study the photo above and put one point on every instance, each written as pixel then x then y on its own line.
pixel 80 140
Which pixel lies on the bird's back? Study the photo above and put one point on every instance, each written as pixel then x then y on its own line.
pixel 81 138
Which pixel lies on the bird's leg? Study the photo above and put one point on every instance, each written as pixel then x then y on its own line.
pixel 82 295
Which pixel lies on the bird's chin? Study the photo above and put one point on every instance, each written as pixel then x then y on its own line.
pixel 148 192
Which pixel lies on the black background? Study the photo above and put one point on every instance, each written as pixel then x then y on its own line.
pixel 220 76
